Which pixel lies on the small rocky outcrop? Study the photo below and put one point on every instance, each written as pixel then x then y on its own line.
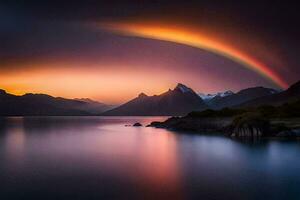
pixel 156 124
pixel 137 124
pixel 249 125
pixel 169 123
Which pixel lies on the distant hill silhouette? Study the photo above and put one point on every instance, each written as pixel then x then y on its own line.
pixel 290 95
pixel 240 97
pixel 42 104
pixel 179 101
pixel 94 107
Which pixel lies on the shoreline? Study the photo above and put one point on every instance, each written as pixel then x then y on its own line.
pixel 242 127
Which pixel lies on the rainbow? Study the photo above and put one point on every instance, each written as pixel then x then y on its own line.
pixel 195 39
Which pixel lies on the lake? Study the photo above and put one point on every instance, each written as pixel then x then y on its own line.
pixel 101 158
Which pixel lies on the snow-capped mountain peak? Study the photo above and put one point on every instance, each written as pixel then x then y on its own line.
pixel 226 93
pixel 207 97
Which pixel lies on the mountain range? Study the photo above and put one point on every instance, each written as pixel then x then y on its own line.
pixel 208 97
pixel 42 104
pixel 245 95
pixel 176 102
pixel 179 101
pixel 292 94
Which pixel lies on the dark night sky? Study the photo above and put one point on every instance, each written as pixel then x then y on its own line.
pixel 51 46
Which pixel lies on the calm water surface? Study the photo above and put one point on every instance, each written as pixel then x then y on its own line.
pixel 100 158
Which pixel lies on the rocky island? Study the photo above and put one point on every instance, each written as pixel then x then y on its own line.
pixel 263 121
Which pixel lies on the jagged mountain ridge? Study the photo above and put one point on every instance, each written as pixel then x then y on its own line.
pixel 179 101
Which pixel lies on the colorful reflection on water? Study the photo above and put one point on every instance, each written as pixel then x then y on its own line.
pixel 101 158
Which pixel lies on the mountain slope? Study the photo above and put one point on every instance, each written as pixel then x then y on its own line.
pixel 178 101
pixel 208 97
pixel 290 95
pixel 240 97
pixel 40 104
pixel 94 107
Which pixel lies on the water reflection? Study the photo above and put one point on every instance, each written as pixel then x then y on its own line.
pixel 14 141
pixel 143 160
pixel 100 158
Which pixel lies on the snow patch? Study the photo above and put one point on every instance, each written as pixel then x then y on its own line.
pixel 208 97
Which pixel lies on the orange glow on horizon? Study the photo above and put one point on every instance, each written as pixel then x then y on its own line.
pixel 115 81
pixel 194 39
pixel 100 84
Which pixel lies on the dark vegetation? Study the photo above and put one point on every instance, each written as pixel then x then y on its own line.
pixel 287 110
pixel 209 113
pixel 263 121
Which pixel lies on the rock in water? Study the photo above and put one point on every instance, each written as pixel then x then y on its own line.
pixel 137 124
